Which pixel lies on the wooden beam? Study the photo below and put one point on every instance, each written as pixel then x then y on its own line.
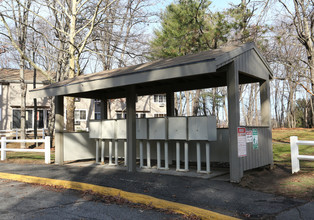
pixel 170 103
pixel 236 171
pixel 131 129
pixel 59 129
pixel 104 109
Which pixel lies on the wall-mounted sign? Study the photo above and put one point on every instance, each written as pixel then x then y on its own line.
pixel 241 142
pixel 249 136
pixel 255 139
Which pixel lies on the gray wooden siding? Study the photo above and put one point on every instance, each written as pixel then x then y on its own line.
pixel 78 146
pixel 250 63
pixel 261 156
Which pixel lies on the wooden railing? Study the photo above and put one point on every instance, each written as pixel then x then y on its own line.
pixel 46 150
pixel 295 156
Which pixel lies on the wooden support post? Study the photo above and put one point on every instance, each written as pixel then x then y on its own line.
pixel 59 126
pixel 170 103
pixel 131 128
pixel 170 113
pixel 236 170
pixel 266 118
pixel 103 109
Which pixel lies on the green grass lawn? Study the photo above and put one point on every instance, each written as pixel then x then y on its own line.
pixel 27 156
pixel 281 146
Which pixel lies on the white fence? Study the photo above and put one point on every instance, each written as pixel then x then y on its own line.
pixel 46 150
pixel 16 132
pixel 295 157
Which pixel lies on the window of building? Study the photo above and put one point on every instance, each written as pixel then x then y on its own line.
pixel 97 109
pixel 141 115
pixel 97 116
pixel 40 118
pixel 160 98
pixel 159 115
pixel 80 115
pixel 17 119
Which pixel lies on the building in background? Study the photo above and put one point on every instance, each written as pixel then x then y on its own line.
pixel 10 100
pixel 85 109
pixel 146 107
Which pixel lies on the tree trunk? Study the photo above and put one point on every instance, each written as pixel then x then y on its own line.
pixel 70 114
pixel 214 101
pixel 187 97
pixel 70 100
pixel 51 118
pixel 35 101
pixel 181 108
pixel 311 65
pixel 23 103
pixel 176 103
pixel 225 106
pixel 204 105
pixel 196 102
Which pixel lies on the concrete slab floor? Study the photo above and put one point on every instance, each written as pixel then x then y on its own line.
pixel 217 173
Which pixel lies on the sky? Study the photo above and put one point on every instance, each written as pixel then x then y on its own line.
pixel 222 4
pixel 217 5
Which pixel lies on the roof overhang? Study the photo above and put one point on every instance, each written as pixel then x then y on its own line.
pixel 181 74
pixel 128 79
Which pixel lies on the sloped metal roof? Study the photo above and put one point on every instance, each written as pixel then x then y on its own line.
pixel 165 69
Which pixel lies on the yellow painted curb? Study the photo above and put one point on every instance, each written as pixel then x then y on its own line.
pixel 132 197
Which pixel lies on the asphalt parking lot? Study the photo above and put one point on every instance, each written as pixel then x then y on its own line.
pixel 27 201
pixel 214 195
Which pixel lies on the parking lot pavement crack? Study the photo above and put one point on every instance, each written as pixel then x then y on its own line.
pixel 300 214
pixel 55 206
pixel 293 207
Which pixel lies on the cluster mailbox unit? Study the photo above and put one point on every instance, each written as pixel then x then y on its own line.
pixel 160 130
pixel 111 130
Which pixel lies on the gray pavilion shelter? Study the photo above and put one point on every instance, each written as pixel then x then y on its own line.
pixel 228 66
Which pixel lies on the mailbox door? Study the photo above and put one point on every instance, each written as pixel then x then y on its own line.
pixel 108 129
pixel 157 128
pixel 141 128
pixel 177 128
pixel 121 129
pixel 197 128
pixel 95 129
